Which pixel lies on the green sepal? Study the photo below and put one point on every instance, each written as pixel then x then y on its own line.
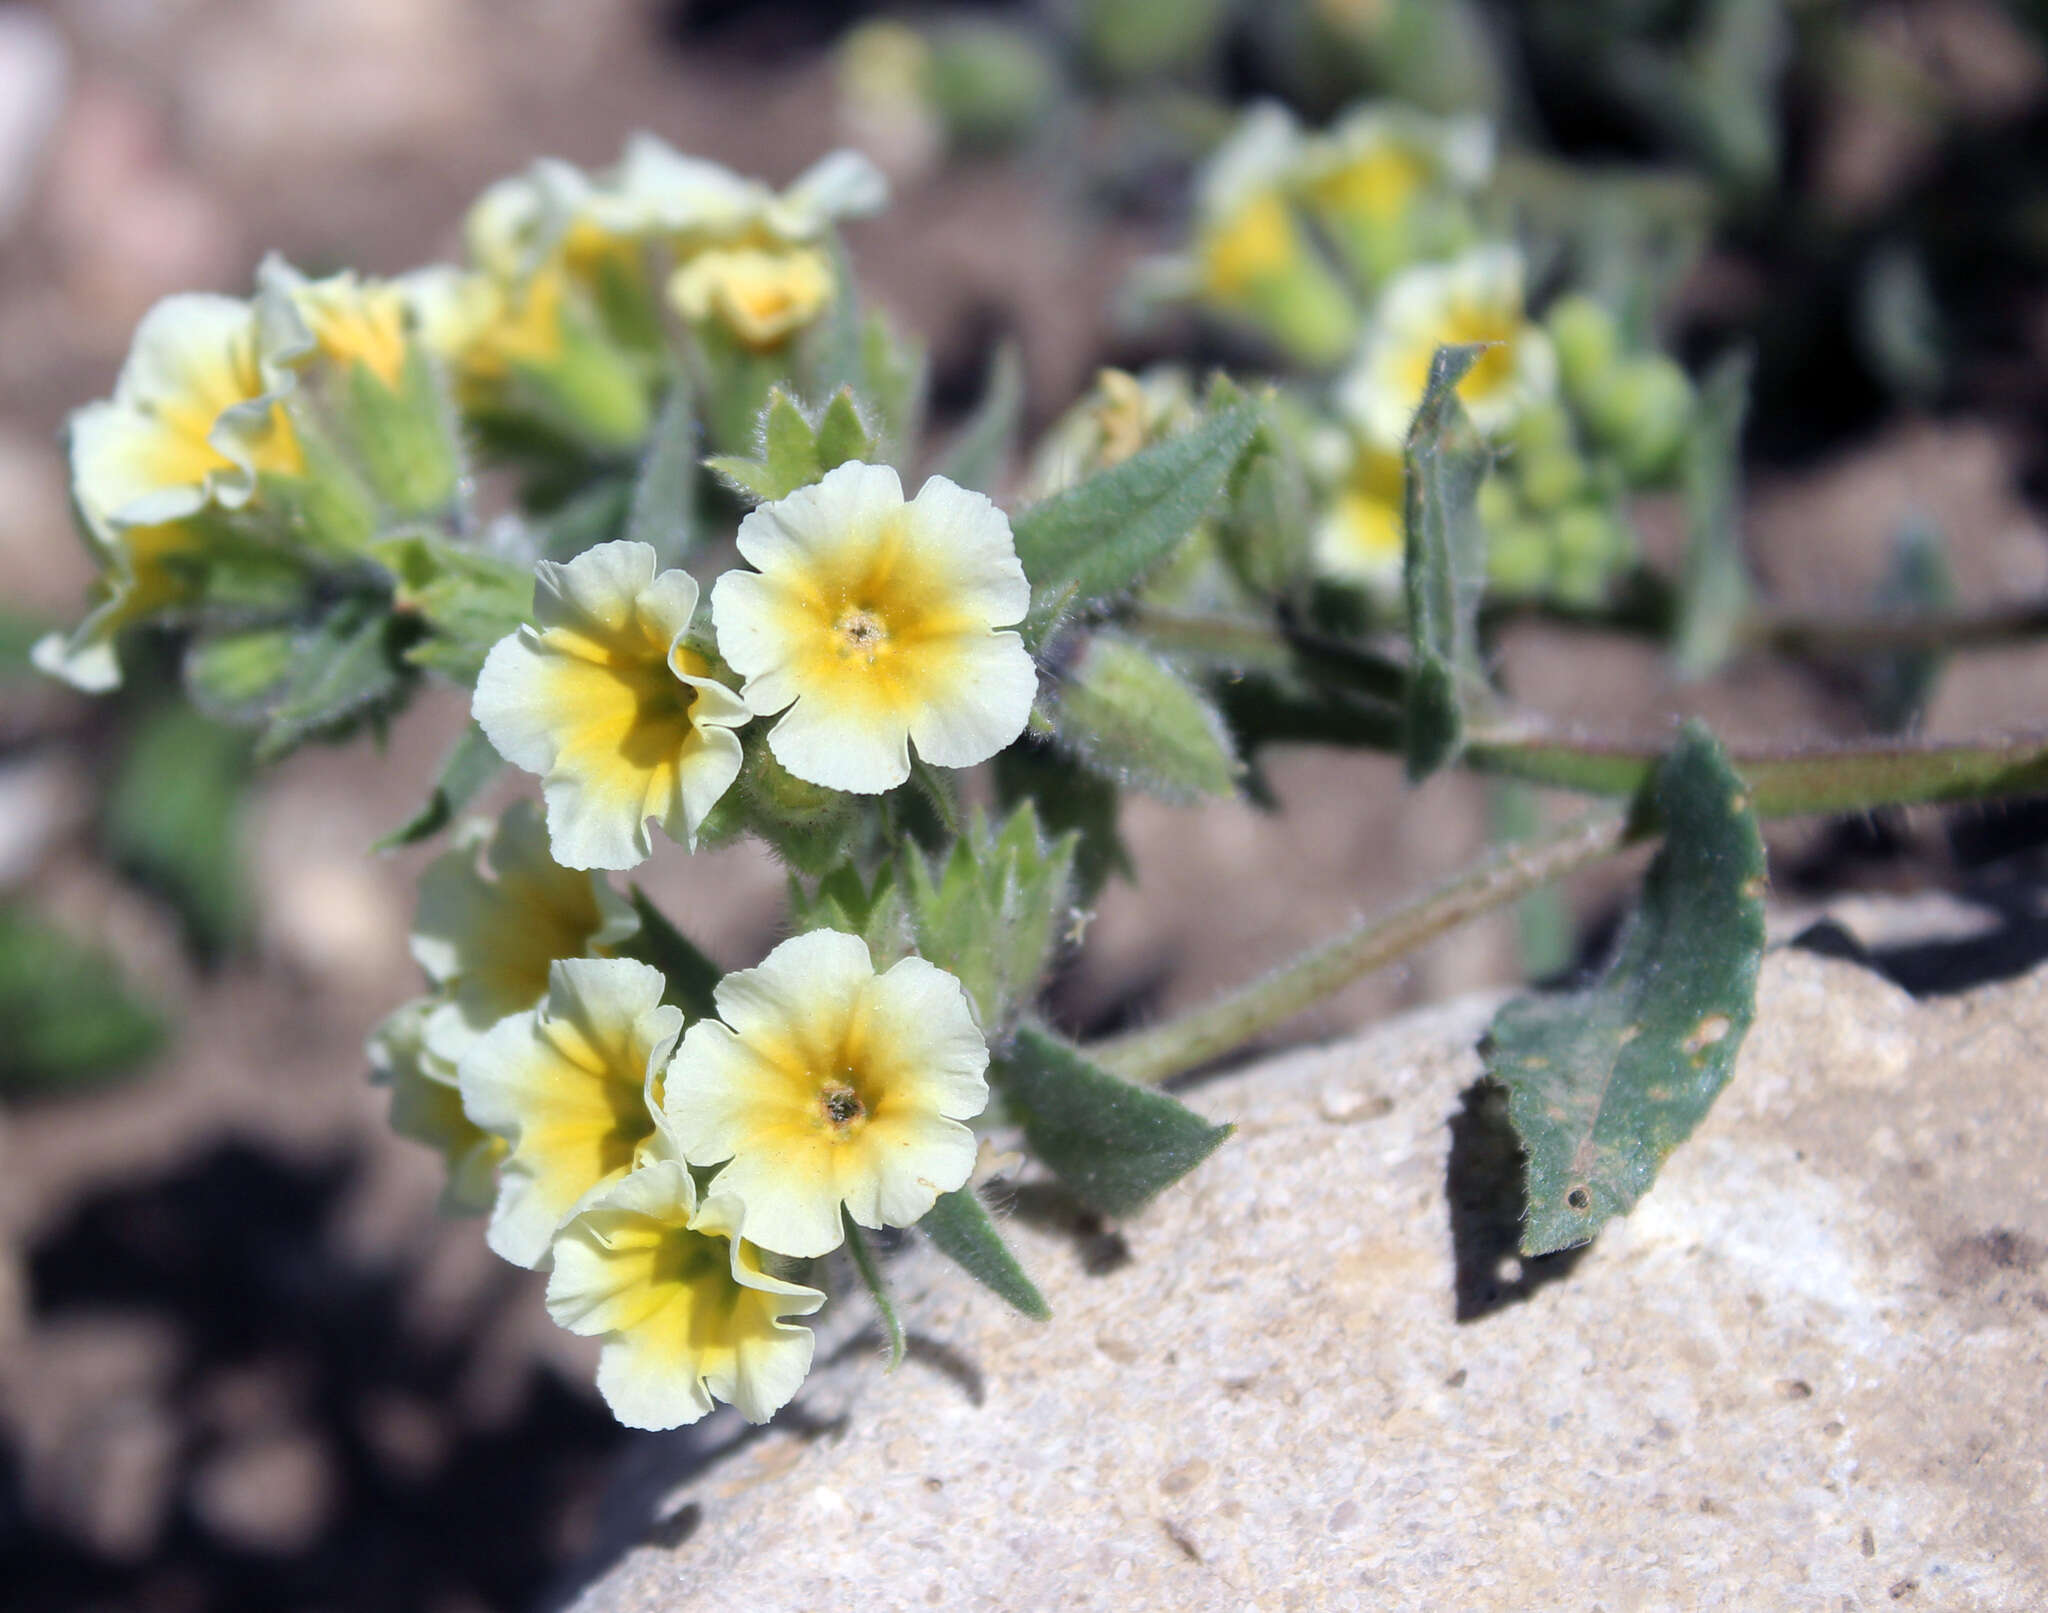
pixel 995 913
pixel 350 668
pixel 71 1022
pixel 1136 721
pixel 1114 1145
pixel 842 434
pixel 236 677
pixel 1070 799
pixel 870 1271
pixel 406 436
pixel 466 599
pixel 662 512
pixel 962 1230
pixel 1100 538
pixel 1604 1083
pixel 1714 586
pixel 692 977
pixel 875 911
pixel 981 450
pixel 470 764
pixel 1443 564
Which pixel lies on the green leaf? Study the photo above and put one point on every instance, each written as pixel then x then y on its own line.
pixel 1714 588
pixel 1604 1083
pixel 961 1229
pixel 1113 1144
pixel 468 767
pixel 981 451
pixel 892 377
pixel 468 600
pixel 173 819
pixel 1136 721
pixel 350 668
pixel 692 978
pixel 663 512
pixel 995 913
pixel 1444 564
pixel 1101 537
pixel 595 513
pixel 71 1023
pixel 871 1278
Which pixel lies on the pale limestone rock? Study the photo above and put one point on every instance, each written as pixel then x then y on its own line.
pixel 1808 1372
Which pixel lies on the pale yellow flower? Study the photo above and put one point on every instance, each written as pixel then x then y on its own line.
pixel 873 623
pixel 823 1084
pixel 761 297
pixel 686 1313
pixel 1475 298
pixel 193 423
pixel 426 1105
pixel 1360 534
pixel 572 1088
pixel 193 420
pixel 1391 185
pixel 342 319
pixel 487 936
pixel 608 703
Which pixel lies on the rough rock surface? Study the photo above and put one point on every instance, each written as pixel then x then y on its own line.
pixel 1808 1372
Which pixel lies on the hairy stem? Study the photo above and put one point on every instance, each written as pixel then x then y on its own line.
pixel 1787 782
pixel 1501 876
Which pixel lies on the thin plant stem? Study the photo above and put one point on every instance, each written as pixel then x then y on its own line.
pixel 1501 876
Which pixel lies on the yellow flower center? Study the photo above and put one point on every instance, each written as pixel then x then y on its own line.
pixel 360 325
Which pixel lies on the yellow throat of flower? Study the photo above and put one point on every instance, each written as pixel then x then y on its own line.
pixel 1258 241
pixel 1375 186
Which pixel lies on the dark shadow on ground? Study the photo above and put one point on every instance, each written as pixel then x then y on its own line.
pixel 237 1258
pixel 1483 1183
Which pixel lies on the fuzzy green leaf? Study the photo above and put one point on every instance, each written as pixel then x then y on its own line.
pixel 1604 1083
pixel 692 978
pixel 1714 591
pixel 1100 538
pixel 469 765
pixel 663 512
pixel 1113 1144
pixel 407 435
pixel 981 451
pixel 351 668
pixel 962 1230
pixel 1444 564
pixel 1136 721
pixel 994 914
pixel 237 677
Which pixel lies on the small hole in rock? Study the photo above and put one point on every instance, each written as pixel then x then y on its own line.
pixel 1579 1199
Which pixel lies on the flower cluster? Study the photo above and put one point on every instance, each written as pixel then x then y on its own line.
pixel 1360 251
